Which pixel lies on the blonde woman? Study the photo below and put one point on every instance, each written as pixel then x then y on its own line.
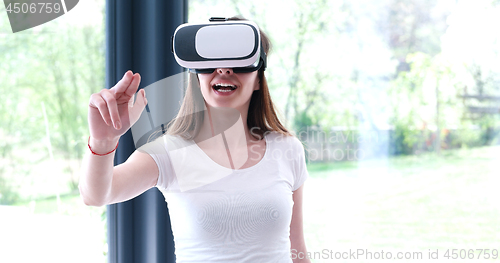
pixel 231 173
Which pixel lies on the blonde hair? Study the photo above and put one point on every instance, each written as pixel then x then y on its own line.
pixel 261 117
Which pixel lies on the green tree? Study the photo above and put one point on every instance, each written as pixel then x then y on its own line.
pixel 424 97
pixel 50 72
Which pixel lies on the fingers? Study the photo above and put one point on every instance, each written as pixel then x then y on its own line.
pixel 105 102
pixel 132 88
pixel 112 108
pixel 96 101
pixel 124 83
pixel 109 102
pixel 128 84
pixel 138 107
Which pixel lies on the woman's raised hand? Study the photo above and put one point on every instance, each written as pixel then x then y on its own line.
pixel 112 112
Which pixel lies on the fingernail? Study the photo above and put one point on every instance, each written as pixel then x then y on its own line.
pixel 118 125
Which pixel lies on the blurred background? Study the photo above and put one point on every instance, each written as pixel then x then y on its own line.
pixel 396 101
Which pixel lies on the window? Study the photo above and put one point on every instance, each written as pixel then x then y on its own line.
pixel 48 73
pixel 398 104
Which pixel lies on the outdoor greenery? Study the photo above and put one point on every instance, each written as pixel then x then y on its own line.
pixel 49 73
pixel 422 75
pixel 418 202
pixel 396 69
pixel 393 65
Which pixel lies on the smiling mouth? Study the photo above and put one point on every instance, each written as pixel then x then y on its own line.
pixel 223 87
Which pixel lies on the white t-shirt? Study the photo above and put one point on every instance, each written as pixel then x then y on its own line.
pixel 224 215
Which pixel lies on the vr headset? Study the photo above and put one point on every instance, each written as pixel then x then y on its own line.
pixel 222 43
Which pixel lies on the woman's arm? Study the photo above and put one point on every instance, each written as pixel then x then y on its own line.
pixel 298 244
pixel 111 113
pixel 103 184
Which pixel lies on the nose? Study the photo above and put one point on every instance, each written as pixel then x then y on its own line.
pixel 225 71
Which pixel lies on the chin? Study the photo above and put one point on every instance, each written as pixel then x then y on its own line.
pixel 227 105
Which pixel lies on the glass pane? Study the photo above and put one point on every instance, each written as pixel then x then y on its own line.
pixel 398 105
pixel 48 73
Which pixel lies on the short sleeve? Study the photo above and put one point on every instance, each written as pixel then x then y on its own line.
pixel 300 168
pixel 157 149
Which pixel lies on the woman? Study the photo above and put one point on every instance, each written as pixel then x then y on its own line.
pixel 231 173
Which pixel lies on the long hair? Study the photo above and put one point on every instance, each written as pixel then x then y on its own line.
pixel 261 117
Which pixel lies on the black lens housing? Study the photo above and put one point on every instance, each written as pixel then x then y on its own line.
pixel 262 64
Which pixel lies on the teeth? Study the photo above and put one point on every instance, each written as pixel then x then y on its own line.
pixel 224 87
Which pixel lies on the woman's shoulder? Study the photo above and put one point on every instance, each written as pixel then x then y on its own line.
pixel 284 139
pixel 165 142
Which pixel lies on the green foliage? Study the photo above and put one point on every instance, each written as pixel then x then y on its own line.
pixel 8 193
pixel 333 63
pixel 490 128
pixel 413 26
pixel 302 121
pixel 423 100
pixel 466 138
pixel 48 73
pixel 404 138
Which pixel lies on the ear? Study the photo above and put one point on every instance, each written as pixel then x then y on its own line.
pixel 257 85
pixel 257 82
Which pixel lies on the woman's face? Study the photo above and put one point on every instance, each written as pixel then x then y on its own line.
pixel 224 88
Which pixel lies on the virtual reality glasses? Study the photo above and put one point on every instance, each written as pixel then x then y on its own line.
pixel 221 43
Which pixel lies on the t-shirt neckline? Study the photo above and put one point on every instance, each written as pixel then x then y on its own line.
pixel 235 170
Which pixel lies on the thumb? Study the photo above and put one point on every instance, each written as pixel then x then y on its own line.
pixel 137 108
